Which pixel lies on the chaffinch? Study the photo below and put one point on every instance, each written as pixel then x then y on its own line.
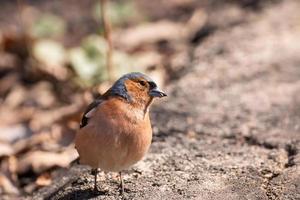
pixel 115 131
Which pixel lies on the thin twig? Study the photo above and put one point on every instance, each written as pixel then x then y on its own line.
pixel 20 10
pixel 107 34
pixel 23 26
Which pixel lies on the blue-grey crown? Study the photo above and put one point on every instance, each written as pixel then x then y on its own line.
pixel 119 87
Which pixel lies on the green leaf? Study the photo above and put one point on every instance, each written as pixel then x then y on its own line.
pixel 48 25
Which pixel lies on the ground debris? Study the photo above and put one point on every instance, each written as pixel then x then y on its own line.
pixel 229 128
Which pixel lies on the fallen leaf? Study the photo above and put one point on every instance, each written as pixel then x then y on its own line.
pixel 40 161
pixel 8 61
pixel 6 149
pixel 196 22
pixel 6 82
pixel 62 135
pixel 150 33
pixel 163 30
pixel 29 143
pixel 44 180
pixel 16 43
pixel 42 94
pixel 7 186
pixel 52 57
pixel 16 96
pixel 46 118
pixel 10 117
pixel 12 166
pixel 148 59
pixel 14 133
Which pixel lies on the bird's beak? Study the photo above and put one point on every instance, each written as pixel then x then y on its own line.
pixel 156 92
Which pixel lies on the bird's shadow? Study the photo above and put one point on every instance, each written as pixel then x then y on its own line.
pixel 81 194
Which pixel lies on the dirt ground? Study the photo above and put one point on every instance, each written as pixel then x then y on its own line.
pixel 230 126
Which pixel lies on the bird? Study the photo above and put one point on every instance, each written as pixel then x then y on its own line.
pixel 115 130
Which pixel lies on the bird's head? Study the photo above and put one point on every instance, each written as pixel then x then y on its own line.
pixel 136 88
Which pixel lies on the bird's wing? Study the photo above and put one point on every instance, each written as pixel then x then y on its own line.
pixel 89 111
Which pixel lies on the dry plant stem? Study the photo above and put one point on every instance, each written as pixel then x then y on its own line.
pixel 20 10
pixel 22 24
pixel 107 34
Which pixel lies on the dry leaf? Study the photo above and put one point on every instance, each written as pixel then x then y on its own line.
pixel 148 59
pixel 52 57
pixel 162 30
pixel 44 180
pixel 12 166
pixel 151 33
pixel 196 22
pixel 42 94
pixel 6 149
pixel 46 118
pixel 25 144
pixel 40 161
pixel 16 96
pixel 6 82
pixel 10 117
pixel 14 133
pixel 7 61
pixel 16 43
pixel 7 186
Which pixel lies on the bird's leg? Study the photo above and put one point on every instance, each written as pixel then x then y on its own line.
pixel 121 183
pixel 95 173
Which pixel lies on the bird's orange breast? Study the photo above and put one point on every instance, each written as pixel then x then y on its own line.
pixel 115 137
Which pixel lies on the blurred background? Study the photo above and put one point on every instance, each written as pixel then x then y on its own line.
pixel 54 59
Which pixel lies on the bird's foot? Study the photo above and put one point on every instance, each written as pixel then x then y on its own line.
pixel 121 191
pixel 95 189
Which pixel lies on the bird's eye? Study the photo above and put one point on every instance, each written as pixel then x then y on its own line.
pixel 142 83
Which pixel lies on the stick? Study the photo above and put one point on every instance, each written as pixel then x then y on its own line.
pixel 20 10
pixel 107 35
pixel 23 27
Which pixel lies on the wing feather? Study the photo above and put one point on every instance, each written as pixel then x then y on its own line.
pixel 89 111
